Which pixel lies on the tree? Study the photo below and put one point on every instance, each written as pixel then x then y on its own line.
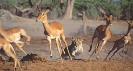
pixel 27 12
pixel 69 9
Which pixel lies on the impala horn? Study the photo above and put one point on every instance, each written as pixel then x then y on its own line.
pixel 38 8
pixel 47 7
pixel 100 10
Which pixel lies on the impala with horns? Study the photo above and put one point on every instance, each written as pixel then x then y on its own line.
pixel 122 42
pixel 14 35
pixel 103 33
pixel 53 30
pixel 8 48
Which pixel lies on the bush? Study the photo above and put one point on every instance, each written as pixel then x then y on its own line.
pixel 122 9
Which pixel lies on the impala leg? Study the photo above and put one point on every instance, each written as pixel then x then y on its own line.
pixel 49 41
pixel 92 54
pixel 124 48
pixel 12 49
pixel 20 48
pixel 57 44
pixel 61 46
pixel 28 40
pixel 94 36
pixel 115 52
pixel 23 33
pixel 114 47
pixel 97 45
pixel 128 46
pixel 106 37
pixel 96 48
pixel 63 38
pixel 102 45
pixel 7 50
pixel 91 43
pixel 101 48
pixel 21 43
pixel 2 57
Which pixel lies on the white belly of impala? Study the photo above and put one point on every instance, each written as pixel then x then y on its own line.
pixel 53 37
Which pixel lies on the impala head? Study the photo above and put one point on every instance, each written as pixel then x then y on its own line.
pixel 42 15
pixel 130 25
pixel 108 19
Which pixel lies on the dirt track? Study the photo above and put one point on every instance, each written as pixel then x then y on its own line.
pixel 39 45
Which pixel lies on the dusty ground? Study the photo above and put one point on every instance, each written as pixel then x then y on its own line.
pixel 39 46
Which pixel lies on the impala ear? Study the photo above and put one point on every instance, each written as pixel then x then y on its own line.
pixel 46 11
pixel 38 8
pixel 105 16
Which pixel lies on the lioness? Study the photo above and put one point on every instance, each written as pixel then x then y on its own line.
pixel 75 48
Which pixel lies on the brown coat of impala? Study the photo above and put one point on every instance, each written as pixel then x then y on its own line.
pixel 53 30
pixel 122 42
pixel 103 33
pixel 7 47
pixel 14 35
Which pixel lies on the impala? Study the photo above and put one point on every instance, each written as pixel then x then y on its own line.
pixel 122 42
pixel 103 33
pixel 53 30
pixel 14 35
pixel 7 47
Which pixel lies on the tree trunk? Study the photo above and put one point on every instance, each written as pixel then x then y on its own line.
pixel 30 3
pixel 62 8
pixel 69 9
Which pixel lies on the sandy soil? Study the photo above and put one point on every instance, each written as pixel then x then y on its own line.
pixel 73 28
